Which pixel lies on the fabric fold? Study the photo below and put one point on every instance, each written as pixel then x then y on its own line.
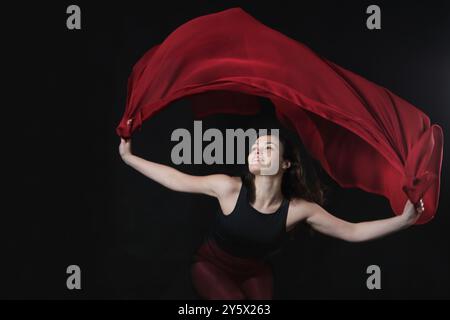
pixel 363 135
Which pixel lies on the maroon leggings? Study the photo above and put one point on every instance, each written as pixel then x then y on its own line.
pixel 218 275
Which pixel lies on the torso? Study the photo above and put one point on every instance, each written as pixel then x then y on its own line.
pixel 295 211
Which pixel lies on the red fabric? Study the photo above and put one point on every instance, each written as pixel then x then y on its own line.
pixel 363 135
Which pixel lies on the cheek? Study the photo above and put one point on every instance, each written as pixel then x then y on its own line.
pixel 275 156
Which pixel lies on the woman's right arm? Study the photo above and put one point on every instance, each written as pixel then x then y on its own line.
pixel 212 185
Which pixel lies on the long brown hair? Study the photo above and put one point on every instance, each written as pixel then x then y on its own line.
pixel 300 180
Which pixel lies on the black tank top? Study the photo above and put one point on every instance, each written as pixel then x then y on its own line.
pixel 246 232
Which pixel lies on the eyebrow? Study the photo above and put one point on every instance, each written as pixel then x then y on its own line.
pixel 267 143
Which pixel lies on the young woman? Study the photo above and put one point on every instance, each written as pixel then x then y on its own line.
pixel 257 212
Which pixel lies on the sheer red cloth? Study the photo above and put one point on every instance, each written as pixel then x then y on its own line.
pixel 363 135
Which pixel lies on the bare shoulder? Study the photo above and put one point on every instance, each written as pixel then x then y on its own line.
pixel 224 185
pixel 302 205
pixel 300 209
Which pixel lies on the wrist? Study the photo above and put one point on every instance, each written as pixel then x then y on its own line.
pixel 126 157
pixel 407 220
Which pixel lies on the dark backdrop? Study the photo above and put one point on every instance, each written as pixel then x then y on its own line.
pixel 75 201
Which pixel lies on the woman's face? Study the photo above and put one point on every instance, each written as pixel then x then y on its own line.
pixel 265 157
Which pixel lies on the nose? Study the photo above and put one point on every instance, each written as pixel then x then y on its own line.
pixel 258 152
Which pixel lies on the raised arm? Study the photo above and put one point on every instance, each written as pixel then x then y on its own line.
pixel 326 223
pixel 212 185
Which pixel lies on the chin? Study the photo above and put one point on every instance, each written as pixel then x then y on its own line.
pixel 254 169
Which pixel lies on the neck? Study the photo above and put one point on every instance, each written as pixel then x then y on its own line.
pixel 267 191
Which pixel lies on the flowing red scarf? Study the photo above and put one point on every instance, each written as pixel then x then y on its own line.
pixel 363 135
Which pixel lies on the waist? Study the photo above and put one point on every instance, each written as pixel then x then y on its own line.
pixel 212 250
pixel 243 248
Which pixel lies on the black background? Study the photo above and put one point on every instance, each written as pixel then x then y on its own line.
pixel 73 201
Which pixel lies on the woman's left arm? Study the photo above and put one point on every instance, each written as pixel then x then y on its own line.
pixel 324 222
